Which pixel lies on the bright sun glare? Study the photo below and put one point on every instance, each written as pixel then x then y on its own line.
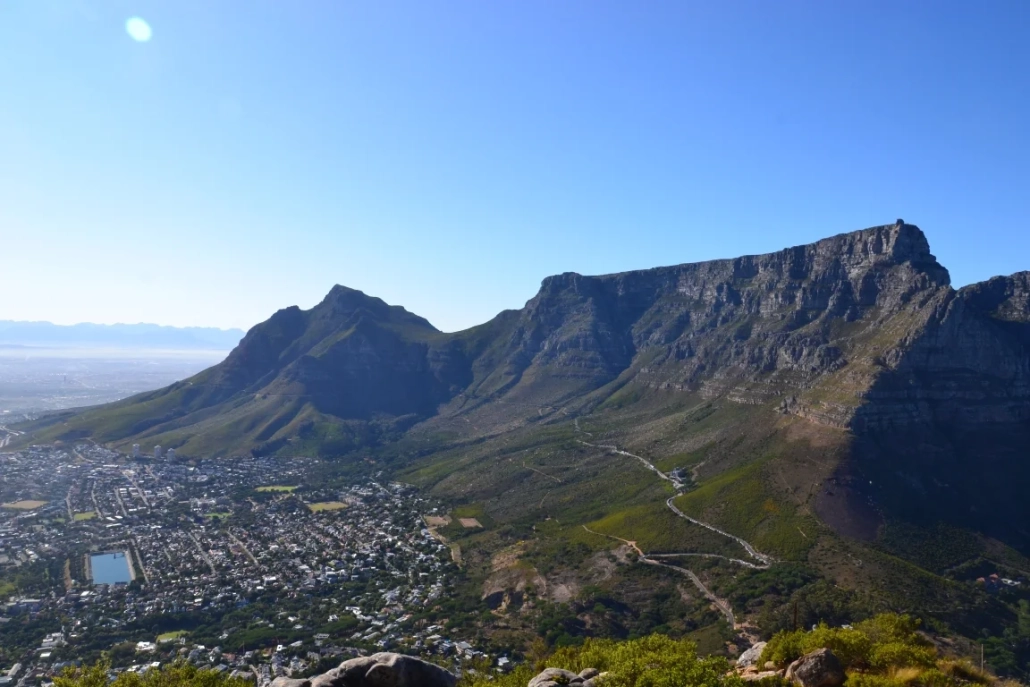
pixel 138 29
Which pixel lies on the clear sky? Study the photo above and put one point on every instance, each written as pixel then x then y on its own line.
pixel 446 156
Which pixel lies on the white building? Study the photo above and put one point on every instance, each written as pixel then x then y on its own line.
pixel 157 452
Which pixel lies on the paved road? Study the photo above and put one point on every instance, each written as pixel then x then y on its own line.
pixel 203 553
pixel 245 549
pixel 8 435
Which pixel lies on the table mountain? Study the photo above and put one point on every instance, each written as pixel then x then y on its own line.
pixel 811 399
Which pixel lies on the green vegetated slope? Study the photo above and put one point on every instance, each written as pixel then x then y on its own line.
pixel 838 406
pixel 887 650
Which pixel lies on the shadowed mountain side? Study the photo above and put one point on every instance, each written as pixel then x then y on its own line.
pixel 944 431
pixel 860 332
pixel 754 328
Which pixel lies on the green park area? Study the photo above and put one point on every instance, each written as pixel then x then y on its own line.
pixel 327 505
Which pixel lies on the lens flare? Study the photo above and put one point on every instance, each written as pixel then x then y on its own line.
pixel 138 29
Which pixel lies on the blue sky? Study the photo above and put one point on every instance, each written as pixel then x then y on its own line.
pixel 446 156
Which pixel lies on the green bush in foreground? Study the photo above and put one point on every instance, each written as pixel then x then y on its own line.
pixel 653 661
pixel 174 675
pixel 885 651
pixel 880 643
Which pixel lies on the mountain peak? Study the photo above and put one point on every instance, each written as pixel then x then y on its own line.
pixel 897 243
pixel 343 300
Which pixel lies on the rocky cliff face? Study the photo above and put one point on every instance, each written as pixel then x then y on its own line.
pixel 756 328
pixel 861 331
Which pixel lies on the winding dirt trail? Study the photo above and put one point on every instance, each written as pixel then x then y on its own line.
pixel 722 604
pixel 763 561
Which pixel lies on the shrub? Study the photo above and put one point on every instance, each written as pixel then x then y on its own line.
pixel 784 647
pixel 897 654
pixel 851 646
pixel 883 642
pixel 174 675
pixel 964 670
pixel 871 680
pixel 652 661
pixel 888 627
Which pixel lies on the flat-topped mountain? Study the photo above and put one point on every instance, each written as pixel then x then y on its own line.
pixel 828 403
pixel 859 331
pixel 780 327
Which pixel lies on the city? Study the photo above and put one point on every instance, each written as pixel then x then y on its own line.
pixel 259 567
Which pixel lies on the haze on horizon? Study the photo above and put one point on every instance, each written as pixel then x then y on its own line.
pixel 222 160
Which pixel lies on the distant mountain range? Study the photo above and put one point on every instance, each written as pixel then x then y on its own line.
pixel 136 336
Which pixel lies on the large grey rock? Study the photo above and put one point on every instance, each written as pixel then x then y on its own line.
pixel 397 670
pixel 750 657
pixel 759 676
pixel 379 670
pixel 555 677
pixel 817 669
pixel 290 682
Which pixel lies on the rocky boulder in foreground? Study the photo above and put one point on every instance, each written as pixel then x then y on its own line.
pixel 817 669
pixel 558 677
pixel 377 670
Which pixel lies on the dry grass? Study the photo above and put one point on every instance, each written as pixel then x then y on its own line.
pixel 964 670
pixel 24 505
pixel 906 675
pixel 438 520
pixel 326 505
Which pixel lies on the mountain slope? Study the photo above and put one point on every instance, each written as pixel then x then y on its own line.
pixel 751 328
pixel 346 361
pixel 838 405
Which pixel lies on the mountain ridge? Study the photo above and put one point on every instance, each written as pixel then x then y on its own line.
pixel 828 403
pixel 142 335
pixel 580 333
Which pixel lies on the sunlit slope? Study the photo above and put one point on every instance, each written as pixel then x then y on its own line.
pixel 837 387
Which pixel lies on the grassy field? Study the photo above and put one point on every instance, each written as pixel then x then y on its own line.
pixel 743 503
pixel 171 636
pixel 326 505
pixel 277 487
pixel 89 515
pixel 217 515
pixel 656 529
pixel 24 505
